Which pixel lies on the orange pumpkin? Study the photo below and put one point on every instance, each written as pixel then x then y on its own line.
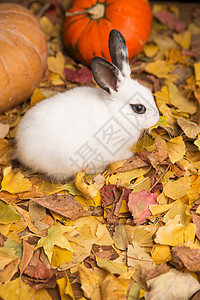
pixel 88 23
pixel 23 54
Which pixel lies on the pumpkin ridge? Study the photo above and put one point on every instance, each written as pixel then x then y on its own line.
pixel 20 35
pixel 36 22
pixel 8 75
pixel 73 21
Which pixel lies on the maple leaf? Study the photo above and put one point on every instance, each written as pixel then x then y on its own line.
pixel 55 237
pixel 139 205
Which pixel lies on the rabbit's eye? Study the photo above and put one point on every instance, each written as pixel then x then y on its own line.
pixel 138 108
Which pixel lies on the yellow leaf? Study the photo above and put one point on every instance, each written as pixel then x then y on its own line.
pixel 60 256
pixel 174 234
pixel 126 177
pixel 114 288
pixel 99 231
pixel 171 234
pixel 178 210
pixel 37 97
pixel 183 39
pixel 161 254
pixel 6 256
pixel 178 188
pixel 197 73
pixel 190 231
pixel 4 229
pixel 140 235
pixel 89 190
pixel 161 69
pixel 194 28
pixel 159 209
pixel 146 143
pixel 65 289
pixel 161 199
pixel 88 281
pixel 197 142
pixel 55 79
pixel 55 237
pixel 57 64
pixel 179 101
pixel 47 26
pixel 111 266
pixel 9 271
pixel 124 207
pixel 175 148
pixel 17 289
pixel 175 56
pixel 15 183
pixel 150 50
pixel 7 215
pixel 138 258
pixel 191 129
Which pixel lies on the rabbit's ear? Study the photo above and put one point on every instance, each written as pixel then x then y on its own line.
pixel 106 75
pixel 118 52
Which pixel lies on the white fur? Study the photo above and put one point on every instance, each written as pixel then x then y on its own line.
pixel 86 125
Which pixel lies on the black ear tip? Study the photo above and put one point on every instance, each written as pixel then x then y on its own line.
pixel 115 32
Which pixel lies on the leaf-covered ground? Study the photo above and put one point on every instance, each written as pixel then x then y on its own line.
pixel 132 232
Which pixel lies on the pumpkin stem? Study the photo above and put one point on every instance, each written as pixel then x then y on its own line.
pixel 95 12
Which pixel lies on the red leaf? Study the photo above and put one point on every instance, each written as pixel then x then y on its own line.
pixel 169 19
pixel 81 75
pixel 107 195
pixel 139 205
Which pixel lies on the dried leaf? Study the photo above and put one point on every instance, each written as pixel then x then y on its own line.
pixel 172 285
pixel 65 289
pixel 55 237
pixel 89 190
pixel 14 183
pixel 26 257
pixel 111 266
pixel 114 288
pixel 174 234
pixel 19 290
pixel 161 69
pixel 175 148
pixel 56 64
pixel 7 215
pixel 120 237
pixel 137 258
pixel 65 205
pixel 9 271
pixel 179 101
pixel 178 188
pixel 186 257
pixel 183 39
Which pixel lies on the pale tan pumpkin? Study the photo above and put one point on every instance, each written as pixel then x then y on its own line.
pixel 23 54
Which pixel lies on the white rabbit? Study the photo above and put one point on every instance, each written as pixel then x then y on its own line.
pixel 88 127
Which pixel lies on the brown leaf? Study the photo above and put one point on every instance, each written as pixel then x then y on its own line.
pixel 159 270
pixel 186 257
pixel 37 269
pixel 196 221
pixel 157 157
pixel 81 75
pixel 65 205
pixel 132 163
pixel 27 255
pixel 3 239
